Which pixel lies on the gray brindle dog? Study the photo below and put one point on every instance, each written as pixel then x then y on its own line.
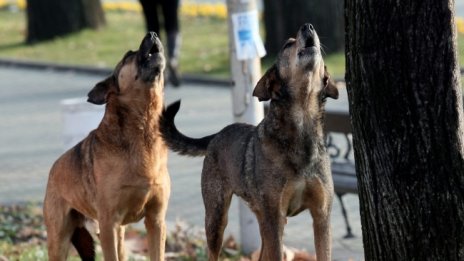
pixel 279 167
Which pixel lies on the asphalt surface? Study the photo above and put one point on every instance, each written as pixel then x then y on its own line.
pixel 31 138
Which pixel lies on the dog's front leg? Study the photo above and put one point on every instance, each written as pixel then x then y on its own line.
pixel 271 225
pixel 322 237
pixel 108 239
pixel 121 248
pixel 320 207
pixel 156 233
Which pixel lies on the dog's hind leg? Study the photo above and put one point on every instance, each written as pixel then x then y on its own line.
pixel 83 242
pixel 60 226
pixel 216 199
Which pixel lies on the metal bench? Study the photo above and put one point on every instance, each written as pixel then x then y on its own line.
pixel 342 163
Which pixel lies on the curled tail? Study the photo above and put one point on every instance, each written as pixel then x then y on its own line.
pixel 177 141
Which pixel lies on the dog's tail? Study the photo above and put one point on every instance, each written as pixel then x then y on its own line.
pixel 177 141
pixel 83 242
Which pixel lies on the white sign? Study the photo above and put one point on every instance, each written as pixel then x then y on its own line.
pixel 248 43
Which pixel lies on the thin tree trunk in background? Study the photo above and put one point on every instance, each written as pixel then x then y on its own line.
pixel 274 25
pixel 94 17
pixel 47 19
pixel 405 100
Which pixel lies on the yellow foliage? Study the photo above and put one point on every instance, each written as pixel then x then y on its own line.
pixel 460 24
pixel 187 8
pixel 122 6
pixel 203 10
pixel 21 4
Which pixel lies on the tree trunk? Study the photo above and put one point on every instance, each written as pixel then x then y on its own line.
pixel 405 99
pixel 274 25
pixel 94 17
pixel 282 19
pixel 47 19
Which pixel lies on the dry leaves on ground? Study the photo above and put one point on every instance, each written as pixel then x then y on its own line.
pixel 22 225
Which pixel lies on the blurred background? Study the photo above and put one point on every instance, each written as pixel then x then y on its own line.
pixel 54 50
pixel 112 26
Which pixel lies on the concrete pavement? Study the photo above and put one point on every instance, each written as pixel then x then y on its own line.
pixel 31 139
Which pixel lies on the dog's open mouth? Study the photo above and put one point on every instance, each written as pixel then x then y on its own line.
pixel 150 45
pixel 309 42
pixel 150 57
pixel 309 46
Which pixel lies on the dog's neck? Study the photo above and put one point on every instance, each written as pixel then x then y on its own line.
pixel 294 125
pixel 128 125
pixel 302 117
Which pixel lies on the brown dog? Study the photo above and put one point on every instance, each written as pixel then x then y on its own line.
pixel 118 173
pixel 279 167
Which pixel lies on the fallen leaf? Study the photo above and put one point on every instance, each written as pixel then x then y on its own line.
pixel 304 256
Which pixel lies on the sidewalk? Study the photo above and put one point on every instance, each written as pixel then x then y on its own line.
pixel 31 139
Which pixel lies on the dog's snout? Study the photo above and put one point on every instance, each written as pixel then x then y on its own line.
pixel 153 36
pixel 308 28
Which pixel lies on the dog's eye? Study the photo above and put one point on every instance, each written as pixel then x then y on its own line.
pixel 288 44
pixel 325 80
pixel 128 54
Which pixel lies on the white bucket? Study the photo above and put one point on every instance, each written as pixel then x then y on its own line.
pixel 79 118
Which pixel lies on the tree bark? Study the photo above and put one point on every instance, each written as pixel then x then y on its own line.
pixel 47 19
pixel 282 18
pixel 405 100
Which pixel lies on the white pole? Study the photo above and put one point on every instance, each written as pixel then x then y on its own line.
pixel 247 109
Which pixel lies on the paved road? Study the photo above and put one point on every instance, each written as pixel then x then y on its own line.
pixel 459 8
pixel 31 139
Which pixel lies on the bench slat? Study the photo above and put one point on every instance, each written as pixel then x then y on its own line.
pixel 344 178
pixel 344 172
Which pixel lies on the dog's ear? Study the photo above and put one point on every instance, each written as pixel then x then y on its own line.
pixel 269 86
pixel 330 88
pixel 100 92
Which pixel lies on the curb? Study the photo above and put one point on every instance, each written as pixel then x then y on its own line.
pixel 102 71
